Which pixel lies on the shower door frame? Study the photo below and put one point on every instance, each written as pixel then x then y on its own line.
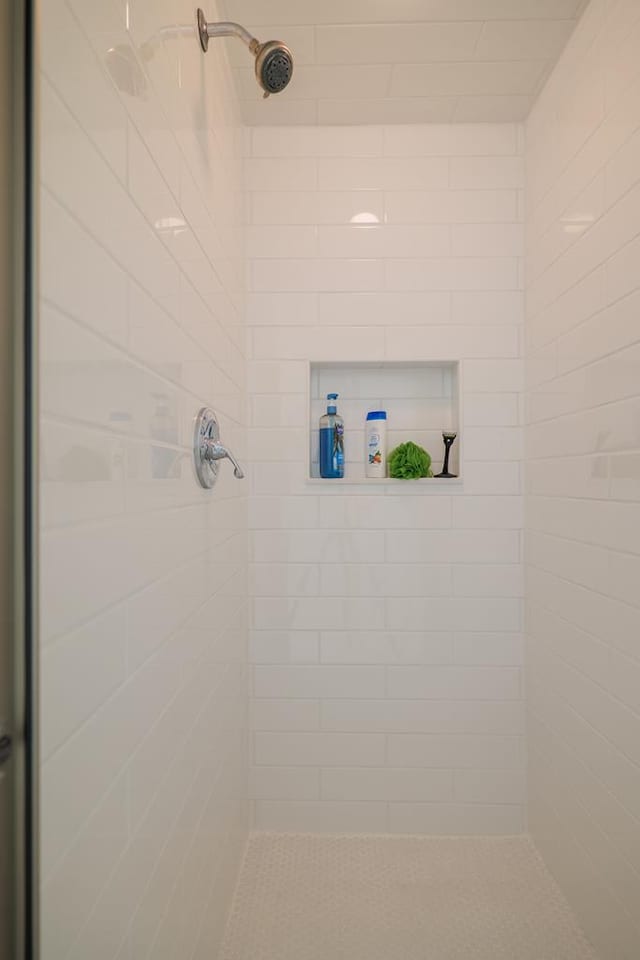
pixel 18 482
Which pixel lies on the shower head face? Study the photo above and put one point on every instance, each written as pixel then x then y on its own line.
pixel 274 66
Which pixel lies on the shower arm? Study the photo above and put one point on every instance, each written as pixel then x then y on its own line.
pixel 209 31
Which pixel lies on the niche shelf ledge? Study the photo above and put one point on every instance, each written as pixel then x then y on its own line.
pixel 422 398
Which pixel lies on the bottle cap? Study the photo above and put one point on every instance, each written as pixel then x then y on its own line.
pixel 377 415
pixel 332 396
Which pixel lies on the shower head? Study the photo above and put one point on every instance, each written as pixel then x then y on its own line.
pixel 274 66
pixel 273 59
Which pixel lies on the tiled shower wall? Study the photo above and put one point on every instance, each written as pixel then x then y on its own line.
pixel 386 634
pixel 583 470
pixel 143 599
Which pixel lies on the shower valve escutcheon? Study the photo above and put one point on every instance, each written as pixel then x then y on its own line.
pixel 208 451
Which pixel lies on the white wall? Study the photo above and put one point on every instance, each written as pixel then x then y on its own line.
pixel 386 640
pixel 583 473
pixel 143 599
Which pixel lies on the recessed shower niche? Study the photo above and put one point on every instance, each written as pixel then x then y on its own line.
pixel 422 398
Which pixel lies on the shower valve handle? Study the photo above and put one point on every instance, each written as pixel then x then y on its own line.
pixel 214 450
pixel 208 450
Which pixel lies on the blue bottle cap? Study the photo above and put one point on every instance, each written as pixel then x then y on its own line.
pixel 377 415
pixel 332 396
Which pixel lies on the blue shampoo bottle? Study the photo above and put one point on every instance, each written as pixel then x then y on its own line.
pixel 331 441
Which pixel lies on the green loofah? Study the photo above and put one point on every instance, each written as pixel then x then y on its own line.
pixel 409 462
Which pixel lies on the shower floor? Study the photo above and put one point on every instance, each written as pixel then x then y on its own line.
pixel 313 897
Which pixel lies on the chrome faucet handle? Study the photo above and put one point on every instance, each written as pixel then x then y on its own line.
pixel 208 450
pixel 214 450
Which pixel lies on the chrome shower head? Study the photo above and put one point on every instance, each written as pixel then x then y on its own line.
pixel 274 66
pixel 273 59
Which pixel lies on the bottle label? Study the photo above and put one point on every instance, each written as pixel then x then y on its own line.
pixel 338 447
pixel 374 452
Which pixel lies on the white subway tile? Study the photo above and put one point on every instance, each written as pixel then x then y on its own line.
pixel 300 343
pixel 395 42
pixel 413 613
pixel 310 682
pixel 392 580
pixel 320 816
pixel 282 242
pixel 493 443
pixel 276 513
pixel 492 410
pixel 277 444
pixel 450 206
pixel 435 342
pixel 535 39
pixel 385 647
pixel 357 546
pixel 503 478
pixel 488 513
pixel 362 141
pixel 76 778
pixel 463 273
pixel 390 110
pixel 70 892
pixel 480 173
pixel 487 240
pixel 319 749
pixel 284 579
pixel 283 646
pixel 453 683
pixel 487 307
pixel 268 376
pixel 625 477
pixel 624 676
pixel 461 546
pixel 286 410
pixel 489 786
pixel 498 649
pixel 385 512
pixel 284 783
pixel 383 174
pixel 388 240
pixel 315 208
pixel 465 78
pixel 96 653
pixel 387 785
pixel 99 297
pixel 298 112
pixel 447 139
pixel 456 819
pixel 89 497
pixel 285 715
pixel 488 580
pixel 281 173
pixel 318 613
pixel 280 308
pixel 505 717
pixel 282 275
pixel 455 751
pixel 491 376
pixel 93 102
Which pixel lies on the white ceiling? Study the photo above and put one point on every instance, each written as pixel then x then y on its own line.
pixel 403 61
